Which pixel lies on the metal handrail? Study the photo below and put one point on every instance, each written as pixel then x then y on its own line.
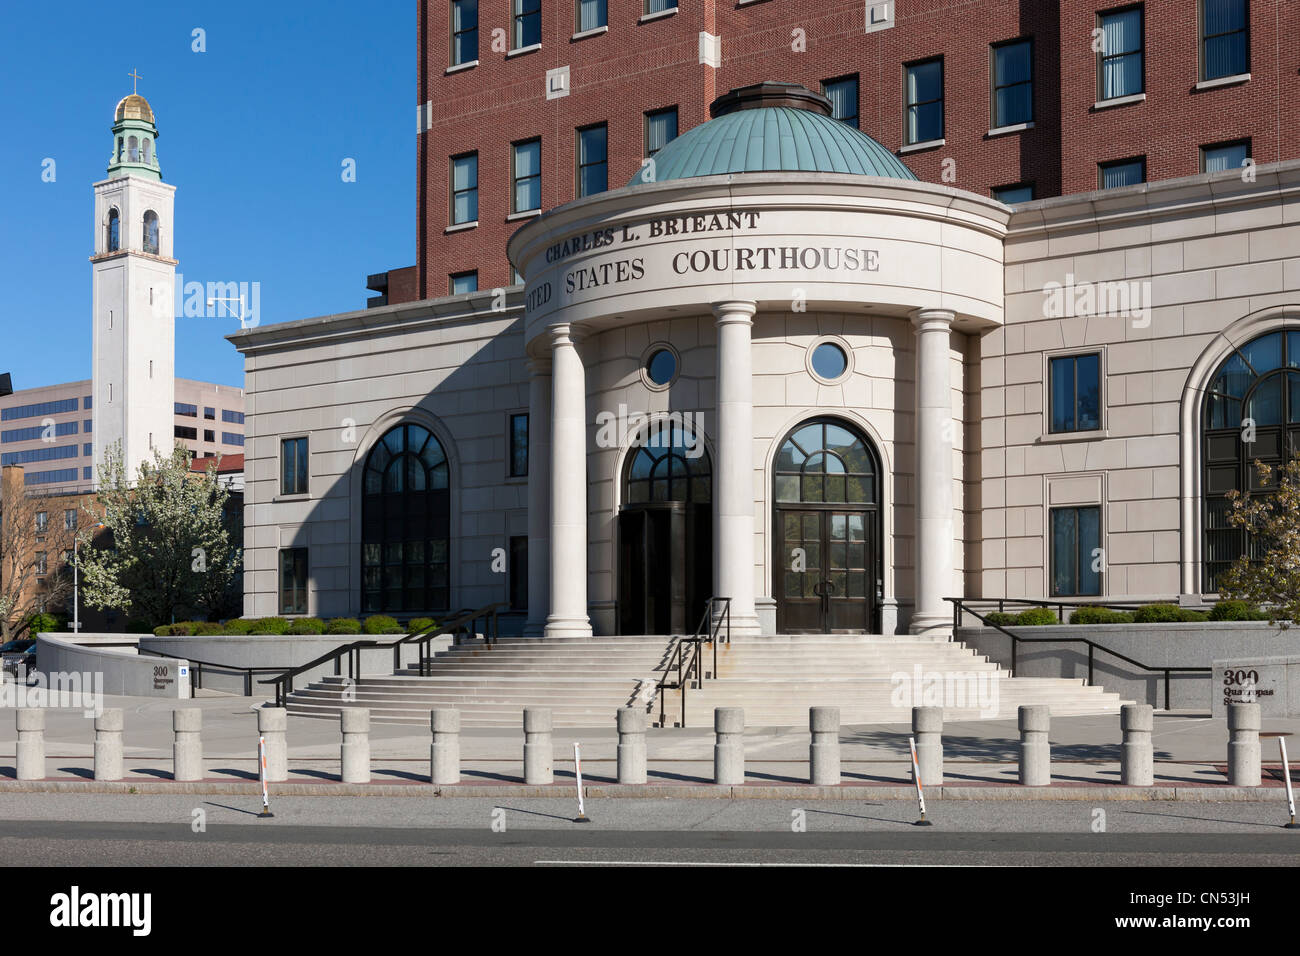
pixel 463 620
pixel 1059 605
pixel 196 673
pixel 709 630
pixel 960 607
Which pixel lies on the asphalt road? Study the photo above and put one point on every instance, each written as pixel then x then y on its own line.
pixel 146 830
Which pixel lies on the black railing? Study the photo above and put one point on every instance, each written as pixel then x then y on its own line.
pixel 464 622
pixel 197 666
pixel 687 657
pixel 961 606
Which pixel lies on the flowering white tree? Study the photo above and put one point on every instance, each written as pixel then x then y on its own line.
pixel 172 549
pixel 1271 578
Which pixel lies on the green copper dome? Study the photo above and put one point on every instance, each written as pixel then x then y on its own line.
pixel 772 127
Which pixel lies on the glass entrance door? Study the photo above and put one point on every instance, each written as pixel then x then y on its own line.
pixel 829 574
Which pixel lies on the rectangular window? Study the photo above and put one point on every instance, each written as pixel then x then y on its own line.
pixel 843 94
pixel 464 189
pixel 69 519
pixel 463 282
pixel 48 453
pixel 519 573
pixel 528 23
pixel 1225 38
pixel 235 418
pixel 1013 83
pixel 592 15
pixel 209 435
pixel 85 426
pixel 1021 192
pixel 87 448
pixel 1075 393
pixel 42 521
pixel 39 409
pixel 924 101
pixel 85 474
pixel 1120 60
pixel 1124 172
pixel 293 581
pixel 209 413
pixel 57 477
pixel 293 466
pixel 518 445
pixel 1215 159
pixel 38 431
pixel 464 31
pixel 526 175
pixel 40 562
pixel 659 6
pixel 660 129
pixel 593 166
pixel 180 431
pixel 231 438
pixel 186 410
pixel 85 402
pixel 1076 549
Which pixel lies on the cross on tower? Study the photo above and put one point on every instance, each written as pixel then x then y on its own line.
pixel 136 78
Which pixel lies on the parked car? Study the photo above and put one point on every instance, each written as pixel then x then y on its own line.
pixel 18 656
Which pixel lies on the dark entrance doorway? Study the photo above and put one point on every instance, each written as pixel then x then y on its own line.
pixel 827 530
pixel 665 533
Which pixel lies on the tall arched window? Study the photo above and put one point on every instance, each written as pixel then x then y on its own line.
pixel 1252 413
pixel 825 462
pixel 114 231
pixel 133 149
pixel 151 232
pixel 148 150
pixel 406 523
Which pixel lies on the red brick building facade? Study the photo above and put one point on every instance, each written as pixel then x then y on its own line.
pixel 644 61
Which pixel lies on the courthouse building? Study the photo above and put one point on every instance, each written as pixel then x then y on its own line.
pixel 778 367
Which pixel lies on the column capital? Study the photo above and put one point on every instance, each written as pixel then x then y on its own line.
pixel 927 320
pixel 565 334
pixel 734 310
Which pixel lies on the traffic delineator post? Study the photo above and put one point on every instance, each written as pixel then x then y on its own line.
pixel 266 797
pixel 916 776
pixel 577 766
pixel 1290 795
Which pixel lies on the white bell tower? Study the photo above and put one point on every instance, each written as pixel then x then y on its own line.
pixel 134 275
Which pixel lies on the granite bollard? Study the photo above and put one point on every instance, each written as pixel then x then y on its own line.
pixel 31 743
pixel 927 726
pixel 354 755
pixel 538 753
pixel 1243 745
pixel 1035 750
pixel 824 747
pixel 444 751
pixel 108 744
pixel 1137 758
pixel 187 748
pixel 729 746
pixel 631 745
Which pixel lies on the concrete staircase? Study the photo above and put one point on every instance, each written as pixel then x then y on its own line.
pixel 583 680
pixel 776 679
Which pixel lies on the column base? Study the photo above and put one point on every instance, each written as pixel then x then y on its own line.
pixel 567 627
pixel 931 625
pixel 743 625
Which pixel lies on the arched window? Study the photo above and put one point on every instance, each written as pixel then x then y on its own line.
pixel 148 150
pixel 121 146
pixel 151 232
pixel 406 523
pixel 1252 413
pixel 671 464
pixel 114 231
pixel 133 150
pixel 824 462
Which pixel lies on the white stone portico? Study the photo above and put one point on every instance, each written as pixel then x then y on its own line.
pixel 752 265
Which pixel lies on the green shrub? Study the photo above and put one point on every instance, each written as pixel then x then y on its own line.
pixel 270 625
pixel 1100 615
pixel 343 625
pixel 39 623
pixel 419 624
pixel 1158 614
pixel 307 625
pixel 382 624
pixel 208 627
pixel 1000 617
pixel 179 629
pixel 239 625
pixel 1236 611
pixel 1037 617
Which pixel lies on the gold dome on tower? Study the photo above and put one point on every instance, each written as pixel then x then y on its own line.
pixel 134 107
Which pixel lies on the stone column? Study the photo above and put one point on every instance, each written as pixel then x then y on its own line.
pixel 932 455
pixel 733 471
pixel 824 748
pixel 567 615
pixel 539 495
pixel 444 751
pixel 631 745
pixel 187 748
pixel 31 743
pixel 108 744
pixel 1243 745
pixel 1137 759
pixel 538 753
pixel 354 755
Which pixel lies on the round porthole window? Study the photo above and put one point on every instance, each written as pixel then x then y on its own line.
pixel 829 361
pixel 661 366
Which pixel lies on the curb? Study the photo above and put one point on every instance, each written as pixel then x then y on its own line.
pixel 802 792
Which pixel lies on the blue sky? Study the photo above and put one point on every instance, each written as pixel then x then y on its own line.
pixel 253 133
